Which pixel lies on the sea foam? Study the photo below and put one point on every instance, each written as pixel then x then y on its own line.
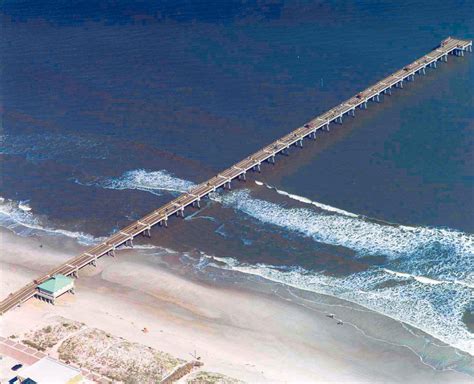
pixel 363 236
pixel 24 222
pixel 436 309
pixel 305 200
pixel 434 266
pixel 154 182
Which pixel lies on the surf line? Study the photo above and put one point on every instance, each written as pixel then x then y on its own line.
pixel 331 209
pixel 305 200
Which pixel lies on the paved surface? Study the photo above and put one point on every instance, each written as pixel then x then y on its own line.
pixel 223 179
pixel 20 353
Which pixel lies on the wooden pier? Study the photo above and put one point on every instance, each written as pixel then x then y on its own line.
pixel 160 216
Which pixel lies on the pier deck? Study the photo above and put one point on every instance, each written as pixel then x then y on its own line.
pixel 253 162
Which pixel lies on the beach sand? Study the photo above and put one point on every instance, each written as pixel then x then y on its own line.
pixel 263 335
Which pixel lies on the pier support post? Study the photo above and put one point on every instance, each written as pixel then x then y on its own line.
pixel 423 70
pixel 352 112
pixel 242 176
pixel 377 98
pixel 300 143
pixel 434 64
pixel 111 253
pixel 401 84
pixel 327 127
pixel 272 159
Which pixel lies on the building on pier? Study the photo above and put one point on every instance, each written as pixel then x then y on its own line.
pixel 54 287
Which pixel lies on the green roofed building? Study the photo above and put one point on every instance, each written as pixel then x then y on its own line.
pixel 55 287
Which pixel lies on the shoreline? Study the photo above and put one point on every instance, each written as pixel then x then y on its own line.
pixel 242 327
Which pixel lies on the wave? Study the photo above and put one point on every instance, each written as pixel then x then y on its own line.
pixel 427 279
pixel 24 222
pixel 436 309
pixel 429 253
pixel 24 206
pixel 303 199
pixel 154 182
pixel 421 279
pixel 438 252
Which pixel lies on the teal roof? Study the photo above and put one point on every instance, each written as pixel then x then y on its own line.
pixel 56 283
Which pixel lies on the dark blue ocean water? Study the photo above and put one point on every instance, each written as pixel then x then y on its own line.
pixel 109 110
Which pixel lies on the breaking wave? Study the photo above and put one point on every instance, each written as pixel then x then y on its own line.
pixel 427 280
pixel 446 253
pixel 305 200
pixel 154 182
pixel 20 219
pixel 436 308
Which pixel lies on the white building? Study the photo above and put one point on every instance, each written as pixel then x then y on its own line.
pixel 49 371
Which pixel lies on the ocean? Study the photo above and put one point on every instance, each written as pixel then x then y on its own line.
pixel 110 111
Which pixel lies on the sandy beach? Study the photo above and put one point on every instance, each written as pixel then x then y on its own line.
pixel 256 335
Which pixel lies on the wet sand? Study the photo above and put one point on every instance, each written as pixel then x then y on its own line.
pixel 254 331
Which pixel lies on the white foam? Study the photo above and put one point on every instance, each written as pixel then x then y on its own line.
pixel 434 308
pixel 24 207
pixel 363 236
pixel 427 280
pixel 25 223
pixel 421 279
pixel 338 227
pixel 154 182
pixel 434 304
pixel 305 200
